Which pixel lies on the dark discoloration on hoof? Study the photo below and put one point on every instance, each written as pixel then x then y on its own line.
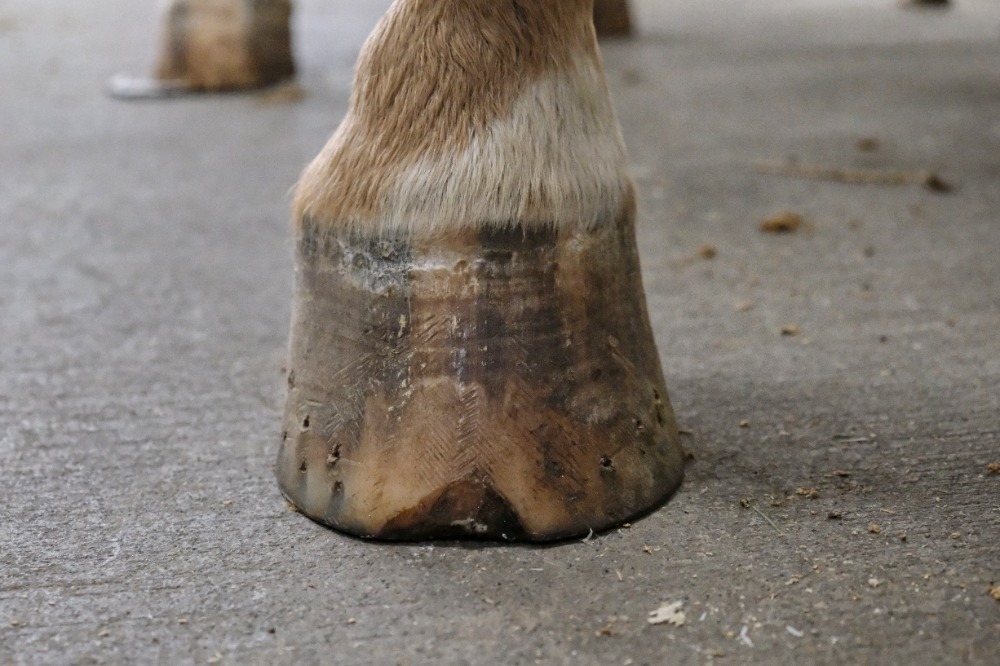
pixel 490 516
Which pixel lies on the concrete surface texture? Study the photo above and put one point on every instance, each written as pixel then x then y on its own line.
pixel 839 505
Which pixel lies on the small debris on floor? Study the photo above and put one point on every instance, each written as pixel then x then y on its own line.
pixel 670 613
pixel 874 529
pixel 745 637
pixel 841 473
pixel 994 591
pixel 708 252
pixel 835 515
pixel 794 632
pixel 874 582
pixel 604 631
pixel 782 223
pixel 811 493
pixel 791 330
pixel 744 306
pixel 744 423
pixel 993 468
pixel 868 144
pixel 748 504
pixel 936 183
pixel 927 179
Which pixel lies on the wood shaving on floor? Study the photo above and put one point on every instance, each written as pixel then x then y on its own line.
pixel 669 613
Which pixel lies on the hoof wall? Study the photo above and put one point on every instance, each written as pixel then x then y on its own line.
pixel 503 385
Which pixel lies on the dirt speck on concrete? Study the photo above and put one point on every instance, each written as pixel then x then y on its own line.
pixel 782 223
pixel 790 330
pixel 936 183
pixel 868 144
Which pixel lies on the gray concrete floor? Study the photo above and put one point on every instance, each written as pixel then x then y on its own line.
pixel 144 297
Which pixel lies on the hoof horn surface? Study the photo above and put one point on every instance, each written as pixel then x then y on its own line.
pixel 491 384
